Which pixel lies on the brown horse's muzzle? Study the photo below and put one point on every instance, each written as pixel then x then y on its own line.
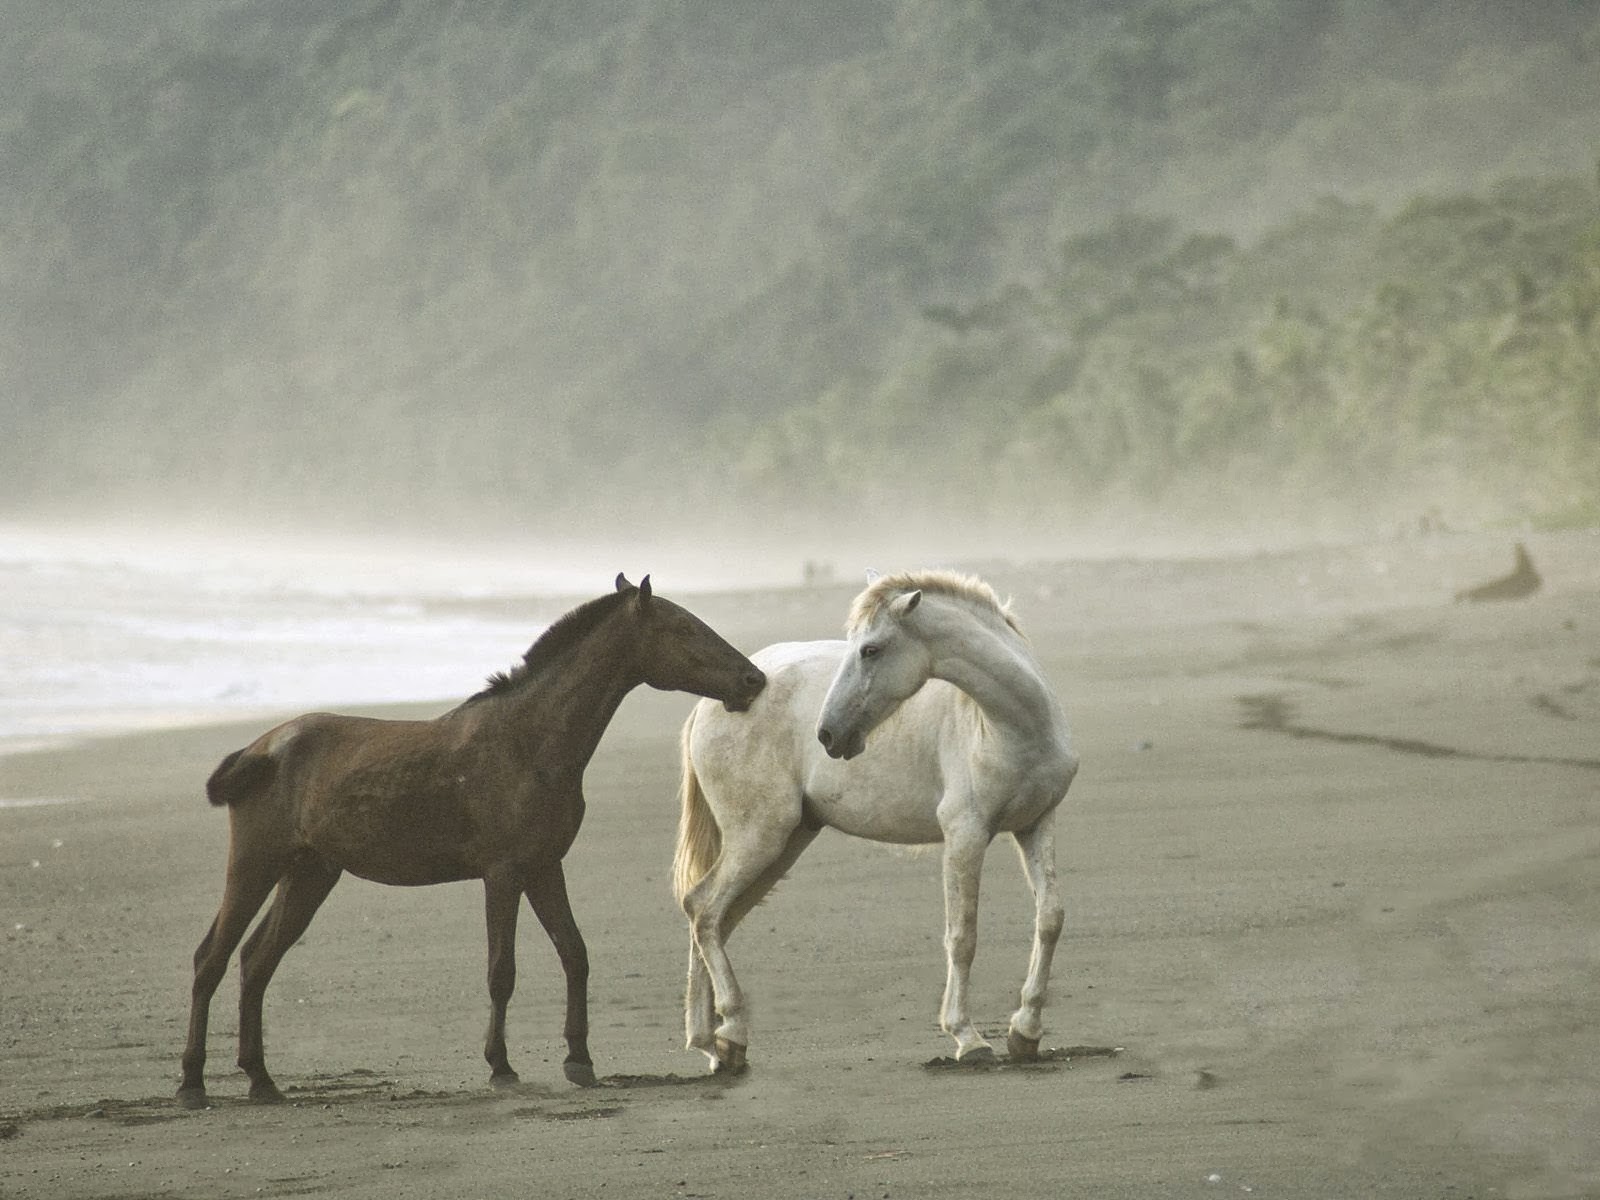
pixel 750 686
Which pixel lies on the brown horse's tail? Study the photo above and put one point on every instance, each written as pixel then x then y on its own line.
pixel 699 839
pixel 240 776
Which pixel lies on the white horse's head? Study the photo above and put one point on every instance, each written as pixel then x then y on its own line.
pixel 885 662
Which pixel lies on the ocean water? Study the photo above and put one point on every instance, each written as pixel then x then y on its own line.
pixel 98 637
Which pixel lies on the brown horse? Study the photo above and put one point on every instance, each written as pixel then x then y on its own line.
pixel 492 790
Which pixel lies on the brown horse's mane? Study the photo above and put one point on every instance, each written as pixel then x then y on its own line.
pixel 562 636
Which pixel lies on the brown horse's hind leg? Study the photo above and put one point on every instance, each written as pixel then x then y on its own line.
pixel 500 901
pixel 300 894
pixel 547 892
pixel 246 889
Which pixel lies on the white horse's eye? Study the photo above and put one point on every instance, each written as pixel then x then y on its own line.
pixel 869 651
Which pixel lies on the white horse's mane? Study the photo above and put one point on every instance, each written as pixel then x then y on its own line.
pixel 885 588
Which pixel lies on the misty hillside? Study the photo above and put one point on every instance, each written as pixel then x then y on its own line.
pixel 519 263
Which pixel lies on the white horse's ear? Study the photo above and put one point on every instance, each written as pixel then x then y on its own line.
pixel 622 582
pixel 905 602
pixel 872 576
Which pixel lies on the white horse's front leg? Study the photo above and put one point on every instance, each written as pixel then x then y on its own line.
pixel 963 865
pixel 1037 847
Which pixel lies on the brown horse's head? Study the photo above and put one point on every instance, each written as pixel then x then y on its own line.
pixel 678 652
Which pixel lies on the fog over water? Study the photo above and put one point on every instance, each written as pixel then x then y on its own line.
pixel 320 305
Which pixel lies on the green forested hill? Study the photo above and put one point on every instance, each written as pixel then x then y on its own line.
pixel 444 263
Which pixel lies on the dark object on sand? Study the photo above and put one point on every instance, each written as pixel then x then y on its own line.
pixel 1523 581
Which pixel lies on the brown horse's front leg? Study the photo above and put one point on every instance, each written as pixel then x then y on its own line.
pixel 500 900
pixel 547 892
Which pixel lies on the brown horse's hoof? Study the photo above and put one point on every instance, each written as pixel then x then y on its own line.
pixel 266 1093
pixel 730 1058
pixel 1022 1049
pixel 579 1073
pixel 505 1079
pixel 193 1097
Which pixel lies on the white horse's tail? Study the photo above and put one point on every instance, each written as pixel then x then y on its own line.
pixel 699 839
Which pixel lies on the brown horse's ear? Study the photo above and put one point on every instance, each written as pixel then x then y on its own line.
pixel 622 582
pixel 644 588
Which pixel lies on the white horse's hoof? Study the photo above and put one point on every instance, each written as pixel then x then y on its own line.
pixel 1022 1049
pixel 976 1056
pixel 730 1058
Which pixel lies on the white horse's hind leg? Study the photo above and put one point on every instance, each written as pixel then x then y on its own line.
pixel 751 862
pixel 1037 847
pixel 699 1011
pixel 963 866
pixel 699 1014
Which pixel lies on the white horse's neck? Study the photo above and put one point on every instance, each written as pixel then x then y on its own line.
pixel 989 661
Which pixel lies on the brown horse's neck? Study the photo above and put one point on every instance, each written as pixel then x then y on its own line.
pixel 561 709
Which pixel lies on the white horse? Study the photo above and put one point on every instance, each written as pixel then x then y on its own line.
pixel 968 741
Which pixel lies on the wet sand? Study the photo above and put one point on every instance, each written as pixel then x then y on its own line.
pixel 1332 874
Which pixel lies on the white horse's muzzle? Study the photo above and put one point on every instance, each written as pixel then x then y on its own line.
pixel 844 746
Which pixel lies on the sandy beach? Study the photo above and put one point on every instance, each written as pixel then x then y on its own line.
pixel 1332 874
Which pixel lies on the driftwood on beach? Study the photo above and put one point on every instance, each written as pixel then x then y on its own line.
pixel 1523 581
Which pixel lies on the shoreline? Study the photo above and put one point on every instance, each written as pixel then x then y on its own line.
pixel 1310 581
pixel 142 723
